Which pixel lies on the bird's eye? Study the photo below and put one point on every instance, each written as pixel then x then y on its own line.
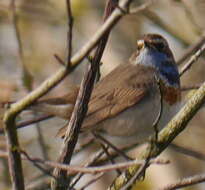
pixel 160 45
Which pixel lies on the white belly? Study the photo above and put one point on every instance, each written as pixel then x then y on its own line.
pixel 137 122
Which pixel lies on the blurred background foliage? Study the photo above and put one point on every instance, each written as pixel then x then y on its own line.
pixel 43 29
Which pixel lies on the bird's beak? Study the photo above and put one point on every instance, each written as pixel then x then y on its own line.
pixel 140 44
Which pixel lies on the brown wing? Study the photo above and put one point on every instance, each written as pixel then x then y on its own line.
pixel 69 97
pixel 58 106
pixel 115 93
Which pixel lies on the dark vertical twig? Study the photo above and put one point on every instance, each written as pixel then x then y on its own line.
pixel 110 5
pixel 80 110
pixel 111 159
pixel 120 152
pixel 14 158
pixel 156 122
pixel 70 33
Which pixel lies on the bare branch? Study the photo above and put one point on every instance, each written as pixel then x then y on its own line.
pixel 80 110
pixel 191 50
pixel 187 152
pixel 90 163
pixel 186 182
pixel 137 175
pixel 11 113
pixel 14 158
pixel 92 170
pixel 69 35
pixel 141 8
pixel 192 60
pixel 23 124
pixel 166 135
pixel 97 160
pixel 190 87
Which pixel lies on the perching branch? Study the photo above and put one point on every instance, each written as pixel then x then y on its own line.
pixel 165 136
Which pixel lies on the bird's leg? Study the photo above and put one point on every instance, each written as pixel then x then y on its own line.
pixel 155 124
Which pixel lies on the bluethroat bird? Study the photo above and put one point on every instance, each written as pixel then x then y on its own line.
pixel 126 102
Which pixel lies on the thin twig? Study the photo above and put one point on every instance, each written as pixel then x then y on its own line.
pixel 90 163
pixel 26 78
pixel 14 158
pixel 91 170
pixel 97 160
pixel 36 164
pixel 69 35
pixel 79 112
pixel 191 50
pixel 101 138
pixel 186 182
pixel 190 87
pixel 187 152
pixel 105 149
pixel 84 169
pixel 156 122
pixel 137 175
pixel 60 61
pixel 192 60
pixel 23 124
pixel 142 7
pixel 158 21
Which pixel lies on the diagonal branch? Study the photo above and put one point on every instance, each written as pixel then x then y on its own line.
pixel 191 50
pixel 185 182
pixel 193 59
pixel 165 136
pixel 10 115
pixel 73 129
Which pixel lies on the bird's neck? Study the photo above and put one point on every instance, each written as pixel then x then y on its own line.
pixel 163 63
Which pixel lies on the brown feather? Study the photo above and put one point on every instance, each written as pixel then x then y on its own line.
pixel 110 97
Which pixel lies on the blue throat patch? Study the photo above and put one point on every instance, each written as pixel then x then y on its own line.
pixel 162 62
